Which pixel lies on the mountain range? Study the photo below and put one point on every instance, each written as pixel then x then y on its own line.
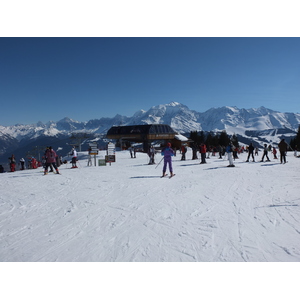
pixel 255 124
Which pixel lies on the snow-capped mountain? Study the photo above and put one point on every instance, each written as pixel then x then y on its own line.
pixel 256 123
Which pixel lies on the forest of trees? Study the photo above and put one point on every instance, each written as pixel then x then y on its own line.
pixel 295 142
pixel 223 139
pixel 213 139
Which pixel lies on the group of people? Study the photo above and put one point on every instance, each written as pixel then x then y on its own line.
pixel 49 160
pixel 282 146
pixel 167 153
pixel 53 161
pixel 32 164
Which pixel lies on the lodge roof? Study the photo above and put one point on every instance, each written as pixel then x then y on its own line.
pixel 141 129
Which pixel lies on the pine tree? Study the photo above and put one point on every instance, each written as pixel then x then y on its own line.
pixel 223 138
pixel 235 141
pixel 209 140
pixel 194 136
pixel 201 137
pixel 295 142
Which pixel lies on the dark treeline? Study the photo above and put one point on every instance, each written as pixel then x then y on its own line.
pixel 213 139
pixel 295 142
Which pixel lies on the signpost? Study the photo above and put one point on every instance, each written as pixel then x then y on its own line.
pixel 111 153
pixel 109 158
pixel 93 150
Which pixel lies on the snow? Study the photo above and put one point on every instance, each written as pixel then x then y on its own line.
pixel 181 138
pixel 124 212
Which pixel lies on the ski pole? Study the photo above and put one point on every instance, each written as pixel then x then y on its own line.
pixel 159 163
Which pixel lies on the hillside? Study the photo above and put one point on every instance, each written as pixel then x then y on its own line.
pixel 127 213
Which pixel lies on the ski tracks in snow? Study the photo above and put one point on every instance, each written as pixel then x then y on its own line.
pixel 126 212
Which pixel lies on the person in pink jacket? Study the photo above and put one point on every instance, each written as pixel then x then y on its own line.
pixel 50 156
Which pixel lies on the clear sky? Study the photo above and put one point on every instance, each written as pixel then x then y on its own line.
pixel 44 79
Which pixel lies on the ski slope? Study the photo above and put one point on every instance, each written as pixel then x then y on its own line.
pixel 127 213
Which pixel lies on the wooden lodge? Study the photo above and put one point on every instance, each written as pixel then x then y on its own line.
pixel 145 134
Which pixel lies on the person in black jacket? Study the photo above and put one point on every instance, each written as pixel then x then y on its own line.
pixel 250 152
pixel 283 148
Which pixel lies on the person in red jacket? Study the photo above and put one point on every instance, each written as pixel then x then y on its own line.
pixel 50 156
pixel 203 153
pixel 274 152
pixel 12 163
pixel 33 163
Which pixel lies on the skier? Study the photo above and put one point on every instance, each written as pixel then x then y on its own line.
pixel 220 150
pixel 151 154
pixel 74 158
pixel 167 153
pixel 131 152
pixel 274 152
pixel 265 153
pixel 203 153
pixel 12 163
pixel 1 169
pixel 250 152
pixel 229 150
pixel 22 162
pixel 283 147
pixel 234 152
pixel 33 163
pixel 183 152
pixel 45 161
pixel 90 157
pixel 50 156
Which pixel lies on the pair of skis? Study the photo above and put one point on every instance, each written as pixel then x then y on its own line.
pixel 167 175
pixel 53 173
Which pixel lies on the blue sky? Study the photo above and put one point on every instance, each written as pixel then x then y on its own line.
pixel 44 79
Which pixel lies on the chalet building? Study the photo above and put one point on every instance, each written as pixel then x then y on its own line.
pixel 147 134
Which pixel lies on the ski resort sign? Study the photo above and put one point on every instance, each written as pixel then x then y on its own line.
pixel 111 153
pixel 93 150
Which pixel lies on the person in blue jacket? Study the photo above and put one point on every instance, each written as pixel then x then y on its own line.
pixel 229 150
pixel 167 153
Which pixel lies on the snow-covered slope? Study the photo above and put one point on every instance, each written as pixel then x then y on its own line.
pixel 126 212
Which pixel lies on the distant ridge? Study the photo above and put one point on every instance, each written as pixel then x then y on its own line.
pixel 261 123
